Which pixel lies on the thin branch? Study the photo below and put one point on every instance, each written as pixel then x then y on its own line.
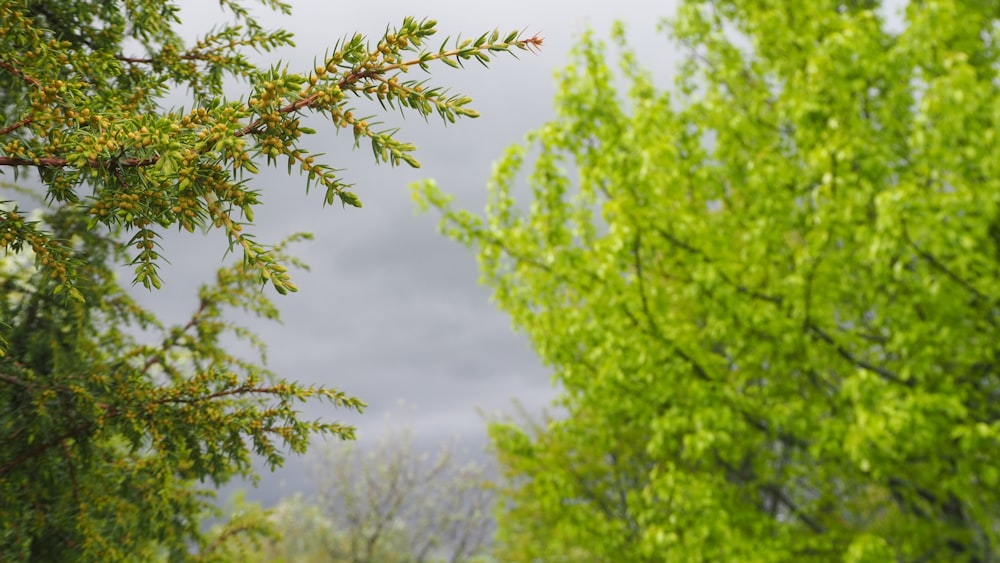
pixel 18 381
pixel 708 260
pixel 782 498
pixel 11 69
pixel 171 341
pixel 776 493
pixel 147 60
pixel 938 265
pixel 847 355
pixel 242 390
pixel 72 471
pixel 14 126
pixel 843 352
pixel 43 447
pixel 654 329
pixel 57 162
pixel 532 44
pixel 225 535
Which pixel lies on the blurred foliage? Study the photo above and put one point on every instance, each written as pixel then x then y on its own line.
pixel 770 295
pixel 113 425
pixel 389 504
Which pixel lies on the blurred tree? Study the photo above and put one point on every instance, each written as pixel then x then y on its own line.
pixel 395 503
pixel 771 296
pixel 390 504
pixel 108 417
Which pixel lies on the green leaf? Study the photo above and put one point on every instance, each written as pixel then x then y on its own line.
pixel 349 198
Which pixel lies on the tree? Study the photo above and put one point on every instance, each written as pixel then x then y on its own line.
pixel 110 421
pixel 770 295
pixel 394 503
pixel 388 504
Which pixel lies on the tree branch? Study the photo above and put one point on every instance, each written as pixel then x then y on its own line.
pixel 14 126
pixel 17 381
pixel 41 448
pixel 532 44
pixel 11 69
pixel 847 355
pixel 57 162
pixel 938 265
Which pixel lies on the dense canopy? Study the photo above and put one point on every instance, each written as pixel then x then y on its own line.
pixel 769 293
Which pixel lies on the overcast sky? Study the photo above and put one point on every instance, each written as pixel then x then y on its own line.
pixel 391 311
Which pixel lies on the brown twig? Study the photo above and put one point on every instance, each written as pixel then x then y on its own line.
pixel 241 390
pixel 72 470
pixel 58 162
pixel 170 342
pixel 14 126
pixel 43 447
pixel 228 533
pixel 17 381
pixel 146 60
pixel 10 68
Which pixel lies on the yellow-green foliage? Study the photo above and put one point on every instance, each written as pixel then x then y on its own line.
pixel 771 295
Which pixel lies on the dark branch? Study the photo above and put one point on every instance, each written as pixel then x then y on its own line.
pixel 57 162
pixel 14 126
pixel 11 69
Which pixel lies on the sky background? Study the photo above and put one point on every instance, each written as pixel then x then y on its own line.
pixel 391 311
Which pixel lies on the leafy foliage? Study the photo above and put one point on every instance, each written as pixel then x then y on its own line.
pixel 771 296
pixel 110 421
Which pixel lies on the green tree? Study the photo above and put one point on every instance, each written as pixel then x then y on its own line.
pixel 770 295
pixel 111 423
